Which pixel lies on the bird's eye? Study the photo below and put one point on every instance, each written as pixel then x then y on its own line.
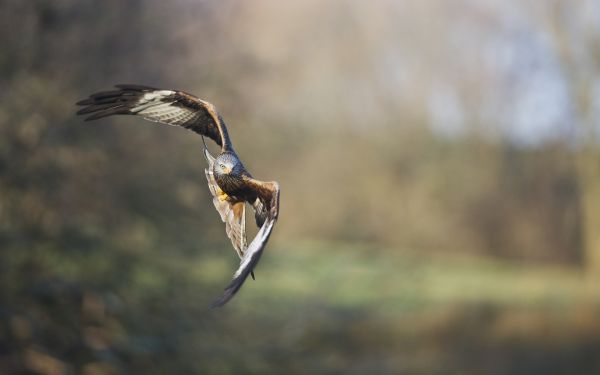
pixel 222 166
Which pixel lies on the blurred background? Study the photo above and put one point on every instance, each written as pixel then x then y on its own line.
pixel 440 172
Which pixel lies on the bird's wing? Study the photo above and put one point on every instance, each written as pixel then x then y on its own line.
pixel 268 193
pixel 169 107
pixel 233 214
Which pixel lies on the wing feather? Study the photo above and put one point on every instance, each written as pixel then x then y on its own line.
pixel 247 264
pixel 168 107
pixel 268 193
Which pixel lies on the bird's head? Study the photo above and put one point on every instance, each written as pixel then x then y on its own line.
pixel 227 164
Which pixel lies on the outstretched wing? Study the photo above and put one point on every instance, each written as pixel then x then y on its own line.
pixel 169 107
pixel 233 214
pixel 268 194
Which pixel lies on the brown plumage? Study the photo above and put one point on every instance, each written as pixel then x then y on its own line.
pixel 231 185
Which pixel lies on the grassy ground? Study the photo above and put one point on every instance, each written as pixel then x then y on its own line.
pixel 330 308
pixel 349 276
pixel 314 308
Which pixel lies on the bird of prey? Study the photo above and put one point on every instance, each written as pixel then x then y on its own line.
pixel 231 185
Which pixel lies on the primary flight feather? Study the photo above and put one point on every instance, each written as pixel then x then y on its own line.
pixel 230 184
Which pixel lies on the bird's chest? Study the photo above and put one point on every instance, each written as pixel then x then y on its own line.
pixel 232 186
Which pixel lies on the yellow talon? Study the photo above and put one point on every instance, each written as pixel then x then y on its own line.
pixel 222 196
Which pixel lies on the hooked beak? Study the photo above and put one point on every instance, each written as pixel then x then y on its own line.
pixel 227 170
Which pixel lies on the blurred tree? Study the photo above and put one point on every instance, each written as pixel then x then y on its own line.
pixel 577 43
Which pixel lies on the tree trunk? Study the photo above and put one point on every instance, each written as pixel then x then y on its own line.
pixel 589 177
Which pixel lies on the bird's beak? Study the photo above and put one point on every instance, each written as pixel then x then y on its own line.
pixel 227 170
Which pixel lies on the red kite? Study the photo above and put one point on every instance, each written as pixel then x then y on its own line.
pixel 231 185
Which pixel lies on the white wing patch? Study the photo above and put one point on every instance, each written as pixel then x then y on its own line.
pixel 154 95
pixel 151 98
pixel 152 108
